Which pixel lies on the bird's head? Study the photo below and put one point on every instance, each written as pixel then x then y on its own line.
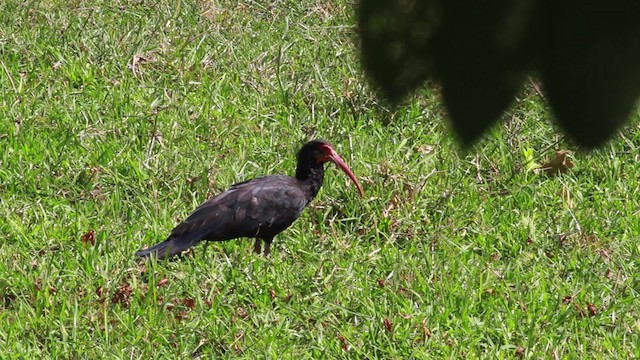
pixel 321 152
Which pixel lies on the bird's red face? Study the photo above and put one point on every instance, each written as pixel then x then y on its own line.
pixel 328 154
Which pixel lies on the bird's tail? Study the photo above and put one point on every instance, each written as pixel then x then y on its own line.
pixel 170 247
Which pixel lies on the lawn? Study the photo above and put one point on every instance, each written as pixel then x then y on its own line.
pixel 118 118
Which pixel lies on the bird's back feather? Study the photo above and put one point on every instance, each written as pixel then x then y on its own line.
pixel 260 208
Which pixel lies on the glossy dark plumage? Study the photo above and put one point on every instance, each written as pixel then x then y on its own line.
pixel 260 208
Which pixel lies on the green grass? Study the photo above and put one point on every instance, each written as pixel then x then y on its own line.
pixel 122 117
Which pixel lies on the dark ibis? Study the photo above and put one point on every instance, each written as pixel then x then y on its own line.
pixel 260 208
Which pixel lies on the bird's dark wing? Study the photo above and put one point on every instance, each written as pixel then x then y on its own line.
pixel 261 207
pixel 246 209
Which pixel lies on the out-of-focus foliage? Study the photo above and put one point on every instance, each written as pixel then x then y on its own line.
pixel 586 55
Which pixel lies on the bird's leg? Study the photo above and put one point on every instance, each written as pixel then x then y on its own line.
pixel 256 246
pixel 267 246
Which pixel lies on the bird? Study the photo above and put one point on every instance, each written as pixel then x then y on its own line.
pixel 259 208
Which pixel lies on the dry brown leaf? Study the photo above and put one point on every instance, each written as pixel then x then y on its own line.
pixel 189 302
pixel 426 332
pixel 425 149
pixel 559 164
pixel 343 343
pixel 182 315
pixel 89 237
pixel 122 295
pixel 139 59
pixel 241 312
pixel 388 325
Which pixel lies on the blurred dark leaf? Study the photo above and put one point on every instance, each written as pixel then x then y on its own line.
pixel 480 52
pixel 590 66
pixel 395 36
pixel 481 58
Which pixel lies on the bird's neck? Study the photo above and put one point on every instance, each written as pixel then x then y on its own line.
pixel 311 177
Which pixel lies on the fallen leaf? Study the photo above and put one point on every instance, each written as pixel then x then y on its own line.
pixel 425 149
pixel 189 302
pixel 9 299
pixel 559 164
pixel 96 194
pixel 609 274
pixel 242 312
pixel 562 240
pixel 388 325
pixel 523 306
pixel 181 315
pixel 89 237
pixel 426 332
pixel 192 180
pixel 404 291
pixel 343 343
pixel 236 346
pixel 139 59
pixel 163 282
pixel 489 291
pixel 593 311
pixel 122 295
pixel 408 277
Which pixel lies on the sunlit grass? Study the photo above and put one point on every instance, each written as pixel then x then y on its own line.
pixel 122 117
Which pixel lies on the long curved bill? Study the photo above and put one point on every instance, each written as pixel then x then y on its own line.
pixel 333 156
